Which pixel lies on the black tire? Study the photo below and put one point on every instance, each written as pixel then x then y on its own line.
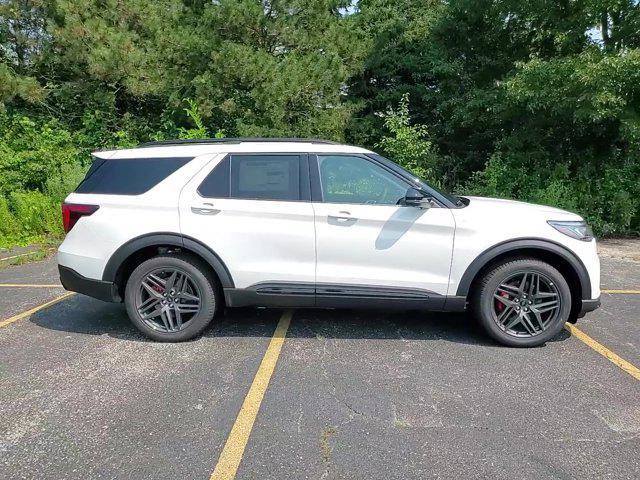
pixel 201 280
pixel 485 303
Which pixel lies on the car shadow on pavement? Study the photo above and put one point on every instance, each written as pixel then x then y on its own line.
pixel 86 316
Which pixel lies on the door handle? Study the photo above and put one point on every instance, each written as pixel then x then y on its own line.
pixel 205 209
pixel 342 216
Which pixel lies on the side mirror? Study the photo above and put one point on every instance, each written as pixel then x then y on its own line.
pixel 415 198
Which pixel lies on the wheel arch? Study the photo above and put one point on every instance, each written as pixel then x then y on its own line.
pixel 124 260
pixel 554 253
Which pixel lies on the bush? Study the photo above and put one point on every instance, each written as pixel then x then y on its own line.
pixel 606 194
pixel 37 214
pixel 8 225
pixel 408 144
pixel 60 184
pixel 32 152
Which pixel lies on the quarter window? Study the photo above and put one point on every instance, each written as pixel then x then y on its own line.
pixel 350 179
pixel 128 176
pixel 216 185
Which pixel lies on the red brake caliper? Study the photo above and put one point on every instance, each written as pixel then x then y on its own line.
pixel 499 304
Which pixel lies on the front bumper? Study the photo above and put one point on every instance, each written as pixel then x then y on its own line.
pixel 74 282
pixel 588 306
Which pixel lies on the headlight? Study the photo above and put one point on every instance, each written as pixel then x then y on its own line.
pixel 578 230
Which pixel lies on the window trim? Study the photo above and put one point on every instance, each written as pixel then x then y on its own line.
pixel 316 185
pixel 304 183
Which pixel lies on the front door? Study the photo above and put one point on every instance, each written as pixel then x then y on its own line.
pixel 367 243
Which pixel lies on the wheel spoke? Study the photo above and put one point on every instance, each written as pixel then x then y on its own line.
pixel 148 304
pixel 181 285
pixel 534 284
pixel 523 282
pixel 152 314
pixel 526 321
pixel 157 281
pixel 544 295
pixel 165 319
pixel 188 296
pixel 150 290
pixel 504 316
pixel 178 317
pixel 188 308
pixel 510 289
pixel 171 281
pixel 517 319
pixel 546 306
pixel 505 301
pixel 538 318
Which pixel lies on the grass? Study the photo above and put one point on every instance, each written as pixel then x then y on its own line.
pixel 43 247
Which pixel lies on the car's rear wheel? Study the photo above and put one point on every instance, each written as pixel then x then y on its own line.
pixel 171 298
pixel 522 302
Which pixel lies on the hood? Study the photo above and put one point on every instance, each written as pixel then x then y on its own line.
pixel 499 205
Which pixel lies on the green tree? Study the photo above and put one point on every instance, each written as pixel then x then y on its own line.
pixel 408 144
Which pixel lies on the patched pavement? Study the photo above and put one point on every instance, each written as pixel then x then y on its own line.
pixel 354 394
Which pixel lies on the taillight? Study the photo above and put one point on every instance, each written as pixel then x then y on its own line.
pixel 71 213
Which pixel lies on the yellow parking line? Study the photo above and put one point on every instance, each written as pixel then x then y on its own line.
pixel 604 351
pixel 29 285
pixel 17 256
pixel 233 450
pixel 20 316
pixel 631 292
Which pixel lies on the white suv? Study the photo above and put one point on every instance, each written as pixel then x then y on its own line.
pixel 178 230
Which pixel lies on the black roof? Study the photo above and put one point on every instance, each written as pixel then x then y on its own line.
pixel 201 141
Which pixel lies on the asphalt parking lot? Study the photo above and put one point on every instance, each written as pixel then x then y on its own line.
pixel 312 394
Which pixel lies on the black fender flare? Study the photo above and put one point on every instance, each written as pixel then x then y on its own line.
pixel 167 238
pixel 526 243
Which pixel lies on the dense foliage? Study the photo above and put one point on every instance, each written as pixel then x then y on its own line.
pixel 537 100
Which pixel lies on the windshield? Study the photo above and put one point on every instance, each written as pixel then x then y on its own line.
pixel 457 201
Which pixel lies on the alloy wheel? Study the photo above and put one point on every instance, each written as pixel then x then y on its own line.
pixel 526 303
pixel 168 299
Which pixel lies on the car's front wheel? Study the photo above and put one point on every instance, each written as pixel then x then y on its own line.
pixel 522 302
pixel 171 298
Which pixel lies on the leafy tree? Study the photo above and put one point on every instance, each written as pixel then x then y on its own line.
pixel 409 144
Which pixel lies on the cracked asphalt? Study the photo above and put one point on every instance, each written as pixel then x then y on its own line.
pixel 354 395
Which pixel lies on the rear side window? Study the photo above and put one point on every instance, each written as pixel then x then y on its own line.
pixel 256 177
pixel 128 176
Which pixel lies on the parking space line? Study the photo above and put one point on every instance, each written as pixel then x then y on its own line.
pixel 29 285
pixel 630 292
pixel 604 351
pixel 20 316
pixel 231 455
pixel 17 256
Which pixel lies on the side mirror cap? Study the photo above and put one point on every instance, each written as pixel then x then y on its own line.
pixel 415 198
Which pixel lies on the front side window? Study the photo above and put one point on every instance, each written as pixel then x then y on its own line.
pixel 351 179
pixel 265 177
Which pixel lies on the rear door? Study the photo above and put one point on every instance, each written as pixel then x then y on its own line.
pixel 254 212
pixel 367 244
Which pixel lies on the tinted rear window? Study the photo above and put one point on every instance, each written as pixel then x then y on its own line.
pixel 128 176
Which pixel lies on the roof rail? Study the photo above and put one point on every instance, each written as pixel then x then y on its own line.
pixel 204 141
